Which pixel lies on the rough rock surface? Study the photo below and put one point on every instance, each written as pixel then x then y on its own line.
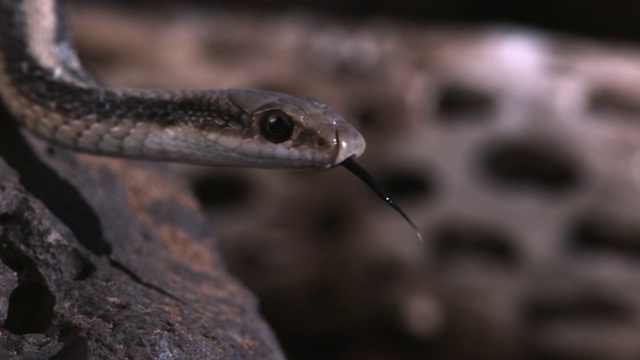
pixel 515 151
pixel 108 259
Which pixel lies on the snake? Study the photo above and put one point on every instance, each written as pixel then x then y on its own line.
pixel 48 92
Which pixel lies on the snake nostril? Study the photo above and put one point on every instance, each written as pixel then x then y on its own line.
pixel 221 190
pixel 321 142
pixel 534 165
pixel 458 102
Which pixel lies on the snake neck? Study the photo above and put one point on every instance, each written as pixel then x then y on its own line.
pixel 45 87
pixel 36 46
pixel 38 65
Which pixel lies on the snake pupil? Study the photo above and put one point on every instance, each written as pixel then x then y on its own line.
pixel 276 126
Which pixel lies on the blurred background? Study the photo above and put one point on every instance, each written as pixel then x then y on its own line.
pixel 509 131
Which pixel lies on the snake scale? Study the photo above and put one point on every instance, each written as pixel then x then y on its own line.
pixel 44 86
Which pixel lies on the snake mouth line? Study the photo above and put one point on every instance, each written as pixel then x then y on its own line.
pixel 371 182
pixel 350 143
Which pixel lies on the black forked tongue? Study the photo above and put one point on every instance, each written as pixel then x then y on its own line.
pixel 361 173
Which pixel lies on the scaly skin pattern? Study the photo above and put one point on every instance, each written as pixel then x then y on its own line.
pixel 44 86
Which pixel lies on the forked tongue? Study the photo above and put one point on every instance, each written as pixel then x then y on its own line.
pixel 363 175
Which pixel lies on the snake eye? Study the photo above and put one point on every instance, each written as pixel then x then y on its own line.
pixel 276 126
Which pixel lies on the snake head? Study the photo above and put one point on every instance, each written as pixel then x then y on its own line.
pixel 288 131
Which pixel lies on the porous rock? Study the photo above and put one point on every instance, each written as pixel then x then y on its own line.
pixel 107 258
pixel 515 151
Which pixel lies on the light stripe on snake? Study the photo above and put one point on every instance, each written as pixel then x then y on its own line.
pixel 46 89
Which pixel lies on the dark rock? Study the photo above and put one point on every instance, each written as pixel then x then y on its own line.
pixel 108 258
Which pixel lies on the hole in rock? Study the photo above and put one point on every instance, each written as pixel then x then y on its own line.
pixel 222 190
pixel 30 309
pixel 578 309
pixel 228 50
pixel 251 259
pixel 78 267
pixel 531 165
pixel 614 102
pixel 382 271
pixel 460 241
pixel 76 349
pixel 463 102
pixel 593 235
pixel 406 184
pixel 332 222
pixel 369 116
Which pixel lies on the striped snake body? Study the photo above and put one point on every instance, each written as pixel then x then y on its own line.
pixel 46 89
